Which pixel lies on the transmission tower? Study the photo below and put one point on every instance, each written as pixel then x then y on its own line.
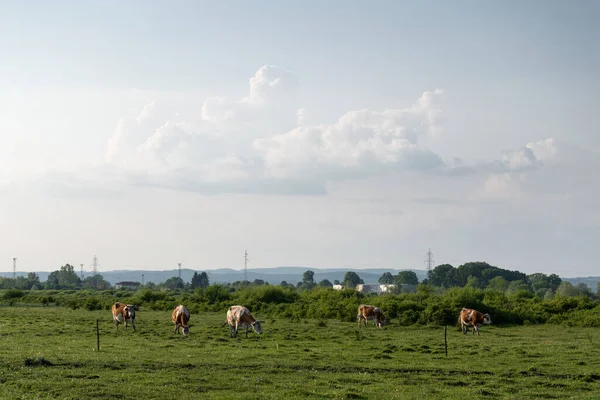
pixel 245 265
pixel 81 269
pixel 429 260
pixel 179 265
pixel 95 265
pixel 14 267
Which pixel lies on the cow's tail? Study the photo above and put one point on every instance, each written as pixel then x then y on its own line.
pixel 224 323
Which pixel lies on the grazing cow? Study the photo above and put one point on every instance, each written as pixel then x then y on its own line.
pixel 180 317
pixel 469 317
pixel 366 312
pixel 122 313
pixel 240 316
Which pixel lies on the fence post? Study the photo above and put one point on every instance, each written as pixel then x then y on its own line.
pixel 445 340
pixel 97 335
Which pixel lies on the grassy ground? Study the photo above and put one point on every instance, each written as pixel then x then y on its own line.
pixel 51 353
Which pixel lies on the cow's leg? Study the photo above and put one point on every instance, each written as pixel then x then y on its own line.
pixel 358 320
pixel 246 328
pixel 230 331
pixel 133 324
pixel 176 330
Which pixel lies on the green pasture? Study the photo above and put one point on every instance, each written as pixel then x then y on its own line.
pixel 50 352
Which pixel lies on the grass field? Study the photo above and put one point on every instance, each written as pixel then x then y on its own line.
pixel 50 352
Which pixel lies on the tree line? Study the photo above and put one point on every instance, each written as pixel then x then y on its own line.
pixel 477 275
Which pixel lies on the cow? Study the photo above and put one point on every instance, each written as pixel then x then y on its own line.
pixel 240 316
pixel 122 313
pixel 180 318
pixel 366 312
pixel 470 317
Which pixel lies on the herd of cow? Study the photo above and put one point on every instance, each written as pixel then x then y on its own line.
pixel 240 316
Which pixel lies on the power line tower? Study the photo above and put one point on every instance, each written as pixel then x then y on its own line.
pixel 95 265
pixel 429 261
pixel 14 267
pixel 179 273
pixel 245 265
pixel 81 269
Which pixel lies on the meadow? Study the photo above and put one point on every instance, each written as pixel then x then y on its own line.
pixel 50 352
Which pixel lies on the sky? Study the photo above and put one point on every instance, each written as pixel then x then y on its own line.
pixel 338 134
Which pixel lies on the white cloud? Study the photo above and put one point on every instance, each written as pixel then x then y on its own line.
pixel 360 140
pixel 264 142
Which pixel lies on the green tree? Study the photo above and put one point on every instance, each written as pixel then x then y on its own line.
pixel 200 280
pixel 498 283
pixel 473 282
pixel 566 289
pixel 174 282
pixel 386 278
pixel 351 279
pixel 407 278
pixel 325 283
pixel 308 280
pixel 95 282
pixel 518 286
pixel 443 275
pixel 67 277
pixel 52 281
pixel 33 281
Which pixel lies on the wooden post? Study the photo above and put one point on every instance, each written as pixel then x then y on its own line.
pixel 445 340
pixel 98 335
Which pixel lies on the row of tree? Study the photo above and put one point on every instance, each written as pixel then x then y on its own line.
pixel 476 275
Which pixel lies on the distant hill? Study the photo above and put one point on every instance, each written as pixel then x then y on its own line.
pixel 590 281
pixel 224 275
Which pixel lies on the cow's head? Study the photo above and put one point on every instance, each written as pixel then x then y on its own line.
pixel 129 311
pixel 486 319
pixel 256 327
pixel 186 330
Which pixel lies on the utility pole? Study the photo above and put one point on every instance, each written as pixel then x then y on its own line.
pixel 14 267
pixel 245 265
pixel 429 261
pixel 142 279
pixel 81 267
pixel 179 265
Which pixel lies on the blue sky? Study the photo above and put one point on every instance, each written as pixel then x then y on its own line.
pixel 106 105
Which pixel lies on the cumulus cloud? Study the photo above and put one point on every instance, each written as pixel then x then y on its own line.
pixel 264 141
pixel 265 137
pixel 360 142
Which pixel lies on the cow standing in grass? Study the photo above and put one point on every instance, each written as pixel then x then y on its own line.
pixel 240 316
pixel 366 312
pixel 180 318
pixel 123 313
pixel 470 317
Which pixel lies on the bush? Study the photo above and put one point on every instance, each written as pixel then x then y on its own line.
pixel 13 294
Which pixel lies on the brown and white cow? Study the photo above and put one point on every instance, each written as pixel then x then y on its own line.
pixel 123 313
pixel 180 318
pixel 367 312
pixel 470 317
pixel 240 316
